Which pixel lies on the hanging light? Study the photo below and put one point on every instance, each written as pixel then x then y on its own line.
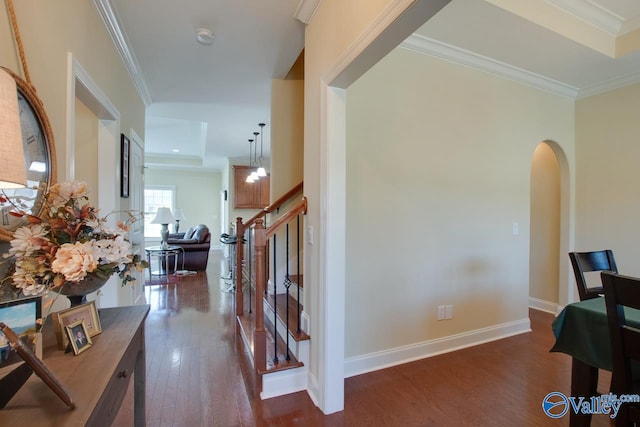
pixel 261 170
pixel 254 174
pixel 250 177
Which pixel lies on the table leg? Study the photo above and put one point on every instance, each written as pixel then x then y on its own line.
pixel 584 382
pixel 139 386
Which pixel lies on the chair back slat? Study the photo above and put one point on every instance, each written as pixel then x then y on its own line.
pixel 621 293
pixel 595 261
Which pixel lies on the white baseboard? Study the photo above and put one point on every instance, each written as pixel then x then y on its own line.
pixel 546 306
pixel 397 356
pixel 284 382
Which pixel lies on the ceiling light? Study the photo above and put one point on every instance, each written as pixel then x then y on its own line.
pixel 261 171
pixel 204 36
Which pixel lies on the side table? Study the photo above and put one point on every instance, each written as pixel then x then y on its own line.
pixel 96 380
pixel 164 256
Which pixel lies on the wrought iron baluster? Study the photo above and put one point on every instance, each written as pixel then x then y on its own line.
pixel 287 285
pixel 298 266
pixel 275 304
pixel 250 255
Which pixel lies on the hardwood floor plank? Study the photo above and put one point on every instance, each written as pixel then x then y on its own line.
pixel 198 374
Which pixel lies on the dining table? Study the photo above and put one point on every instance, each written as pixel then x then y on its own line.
pixel 582 332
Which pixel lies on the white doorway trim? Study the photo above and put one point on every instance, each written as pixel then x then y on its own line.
pixel 80 85
pixel 388 30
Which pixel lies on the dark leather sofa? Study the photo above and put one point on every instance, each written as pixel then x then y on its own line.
pixel 195 242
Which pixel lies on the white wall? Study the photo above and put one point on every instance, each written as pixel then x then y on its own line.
pixel 607 175
pixel 438 164
pixel 74 27
pixel 197 194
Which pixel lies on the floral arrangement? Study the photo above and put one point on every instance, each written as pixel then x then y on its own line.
pixel 69 242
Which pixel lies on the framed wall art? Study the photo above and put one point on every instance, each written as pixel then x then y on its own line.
pixel 22 316
pixel 125 150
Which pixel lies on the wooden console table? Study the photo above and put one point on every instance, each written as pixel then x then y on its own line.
pixel 96 380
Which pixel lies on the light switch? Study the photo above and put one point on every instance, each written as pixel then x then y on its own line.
pixel 310 235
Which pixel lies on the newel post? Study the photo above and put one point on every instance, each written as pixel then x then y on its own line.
pixel 237 277
pixel 259 335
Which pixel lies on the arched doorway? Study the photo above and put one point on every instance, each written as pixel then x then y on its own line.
pixel 545 229
pixel 548 227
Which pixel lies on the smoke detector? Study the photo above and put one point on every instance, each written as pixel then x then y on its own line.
pixel 204 36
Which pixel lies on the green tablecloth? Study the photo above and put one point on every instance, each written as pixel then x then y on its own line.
pixel 582 332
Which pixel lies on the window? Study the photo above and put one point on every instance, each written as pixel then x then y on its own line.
pixel 156 196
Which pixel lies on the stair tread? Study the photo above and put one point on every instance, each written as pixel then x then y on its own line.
pixel 298 279
pixel 247 324
pixel 293 314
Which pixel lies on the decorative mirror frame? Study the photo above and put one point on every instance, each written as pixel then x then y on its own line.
pixel 29 94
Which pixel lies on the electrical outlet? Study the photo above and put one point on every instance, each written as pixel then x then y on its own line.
pixel 441 312
pixel 448 312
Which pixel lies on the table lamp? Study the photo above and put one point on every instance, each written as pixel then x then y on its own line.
pixel 178 216
pixel 164 218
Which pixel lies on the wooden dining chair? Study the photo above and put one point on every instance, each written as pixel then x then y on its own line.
pixel 591 262
pixel 620 292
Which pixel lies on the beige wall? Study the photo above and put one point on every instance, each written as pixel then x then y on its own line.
pixel 86 147
pixel 287 133
pixel 52 30
pixel 545 226
pixel 197 194
pixel 438 164
pixel 607 175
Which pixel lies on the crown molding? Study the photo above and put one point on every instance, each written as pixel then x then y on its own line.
pixel 306 9
pixel 110 20
pixel 610 84
pixel 594 14
pixel 482 63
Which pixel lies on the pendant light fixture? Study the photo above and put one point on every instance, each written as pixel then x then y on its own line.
pixel 254 174
pixel 250 178
pixel 261 170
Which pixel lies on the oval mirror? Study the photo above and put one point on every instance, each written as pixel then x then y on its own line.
pixel 40 161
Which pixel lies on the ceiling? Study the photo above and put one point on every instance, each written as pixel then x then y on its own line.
pixel 206 101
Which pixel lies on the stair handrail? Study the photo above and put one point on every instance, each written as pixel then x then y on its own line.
pixel 299 209
pixel 241 228
pixel 261 236
pixel 275 205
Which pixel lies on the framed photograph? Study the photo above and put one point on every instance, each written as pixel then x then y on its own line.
pixel 125 150
pixel 85 312
pixel 22 316
pixel 11 383
pixel 78 336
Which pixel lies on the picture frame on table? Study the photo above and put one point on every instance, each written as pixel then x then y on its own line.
pixel 22 316
pixel 125 151
pixel 11 383
pixel 85 312
pixel 78 336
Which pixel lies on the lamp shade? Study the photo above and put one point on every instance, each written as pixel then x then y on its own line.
pixel 163 216
pixel 13 172
pixel 178 215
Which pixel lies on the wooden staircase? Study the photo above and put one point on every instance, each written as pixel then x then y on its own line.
pixel 269 318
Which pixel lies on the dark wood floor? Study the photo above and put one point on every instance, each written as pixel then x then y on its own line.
pixel 195 365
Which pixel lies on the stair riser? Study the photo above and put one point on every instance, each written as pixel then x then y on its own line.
pixel 297 348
